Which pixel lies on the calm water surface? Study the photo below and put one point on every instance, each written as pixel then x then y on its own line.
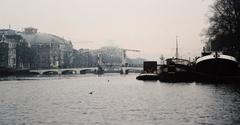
pixel 115 100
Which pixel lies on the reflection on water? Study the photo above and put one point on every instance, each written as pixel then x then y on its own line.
pixel 115 100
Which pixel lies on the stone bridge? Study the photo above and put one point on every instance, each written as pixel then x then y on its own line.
pixel 64 71
pixel 124 70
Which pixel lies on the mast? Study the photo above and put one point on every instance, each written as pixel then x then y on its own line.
pixel 177 54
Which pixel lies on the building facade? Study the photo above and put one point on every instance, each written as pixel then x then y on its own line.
pixel 12 46
pixel 49 51
pixel 33 50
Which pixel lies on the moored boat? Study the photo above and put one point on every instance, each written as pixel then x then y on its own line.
pixel 176 70
pixel 217 67
pixel 217 64
pixel 147 76
pixel 149 71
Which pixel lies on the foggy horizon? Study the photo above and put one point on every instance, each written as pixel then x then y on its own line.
pixel 149 26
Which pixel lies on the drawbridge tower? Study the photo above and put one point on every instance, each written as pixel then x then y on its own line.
pixel 124 60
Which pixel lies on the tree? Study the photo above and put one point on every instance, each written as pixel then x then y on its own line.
pixel 224 30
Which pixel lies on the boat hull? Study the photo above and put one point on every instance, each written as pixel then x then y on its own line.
pixel 217 67
pixel 176 73
pixel 148 77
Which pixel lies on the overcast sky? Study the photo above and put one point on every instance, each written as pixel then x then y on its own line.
pixel 147 25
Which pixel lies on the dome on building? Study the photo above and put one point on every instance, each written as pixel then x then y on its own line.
pixel 36 38
pixel 32 36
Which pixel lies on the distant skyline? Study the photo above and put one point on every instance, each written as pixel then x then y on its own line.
pixel 147 25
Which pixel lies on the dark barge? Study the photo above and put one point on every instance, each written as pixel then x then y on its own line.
pixel 217 67
pixel 150 71
pixel 176 70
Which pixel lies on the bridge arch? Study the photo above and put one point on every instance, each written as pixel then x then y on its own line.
pixel 65 72
pixel 35 73
pixel 84 71
pixel 50 73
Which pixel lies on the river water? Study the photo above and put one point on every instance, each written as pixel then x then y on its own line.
pixel 114 99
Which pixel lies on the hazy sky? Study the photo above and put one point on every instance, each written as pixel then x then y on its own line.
pixel 147 25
